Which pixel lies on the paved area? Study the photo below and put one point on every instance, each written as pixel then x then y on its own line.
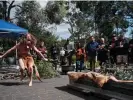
pixel 49 89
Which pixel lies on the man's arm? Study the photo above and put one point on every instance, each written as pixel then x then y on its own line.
pixel 10 50
pixel 39 53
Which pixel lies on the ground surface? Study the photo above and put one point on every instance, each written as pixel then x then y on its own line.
pixel 49 89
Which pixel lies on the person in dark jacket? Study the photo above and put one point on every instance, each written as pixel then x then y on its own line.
pixel 131 50
pixel 102 52
pixel 91 50
pixel 122 50
pixel 112 48
pixel 54 52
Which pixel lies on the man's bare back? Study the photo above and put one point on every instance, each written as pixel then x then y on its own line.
pixel 98 78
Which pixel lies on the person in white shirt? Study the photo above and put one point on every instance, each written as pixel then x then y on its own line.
pixel 62 55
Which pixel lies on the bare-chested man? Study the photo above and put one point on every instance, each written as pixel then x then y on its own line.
pixel 25 59
pixel 98 78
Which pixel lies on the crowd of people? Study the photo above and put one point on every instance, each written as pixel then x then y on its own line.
pixel 118 48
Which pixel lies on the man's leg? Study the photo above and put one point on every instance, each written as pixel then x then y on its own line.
pixel 115 59
pixel 22 67
pixel 37 73
pixel 81 65
pixel 116 80
pixel 125 59
pixel 30 64
pixel 77 64
pixel 70 58
pixel 119 60
pixel 94 63
pixel 90 60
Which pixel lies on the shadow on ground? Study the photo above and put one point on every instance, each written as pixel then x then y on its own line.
pixel 76 93
pixel 12 83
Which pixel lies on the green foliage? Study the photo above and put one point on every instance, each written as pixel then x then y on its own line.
pixel 34 18
pixel 46 69
pixel 1 11
pixel 74 58
pixel 62 42
pixel 106 15
pixel 87 63
pixel 80 23
pixel 56 11
pixel 124 75
pixel 120 73
pixel 28 16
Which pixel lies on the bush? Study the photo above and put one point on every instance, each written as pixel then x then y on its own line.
pixel 74 59
pixel 124 75
pixel 87 63
pixel 46 69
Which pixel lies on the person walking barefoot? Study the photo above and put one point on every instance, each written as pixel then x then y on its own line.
pixel 26 61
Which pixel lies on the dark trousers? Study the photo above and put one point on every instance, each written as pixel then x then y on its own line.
pixel 113 59
pixel 92 60
pixel 70 60
pixel 79 65
pixel 70 57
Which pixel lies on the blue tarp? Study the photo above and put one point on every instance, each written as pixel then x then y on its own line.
pixel 9 30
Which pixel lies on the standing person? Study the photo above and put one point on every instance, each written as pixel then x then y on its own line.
pixel 122 50
pixel 25 59
pixel 69 51
pixel 112 48
pixel 42 48
pixel 79 57
pixel 91 50
pixel 131 50
pixel 102 51
pixel 62 55
pixel 54 51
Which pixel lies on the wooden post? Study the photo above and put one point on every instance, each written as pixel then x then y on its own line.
pixel 16 53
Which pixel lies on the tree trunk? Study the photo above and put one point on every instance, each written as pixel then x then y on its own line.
pixel 9 10
pixel 4 9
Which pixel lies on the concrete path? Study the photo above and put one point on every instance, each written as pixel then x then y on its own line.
pixel 49 89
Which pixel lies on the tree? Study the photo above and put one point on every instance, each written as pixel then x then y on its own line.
pixel 6 7
pixel 28 16
pixel 1 10
pixel 80 24
pixel 107 15
pixel 34 18
pixel 56 11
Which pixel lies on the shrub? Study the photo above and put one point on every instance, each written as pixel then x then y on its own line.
pixel 87 63
pixel 74 59
pixel 124 75
pixel 46 69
